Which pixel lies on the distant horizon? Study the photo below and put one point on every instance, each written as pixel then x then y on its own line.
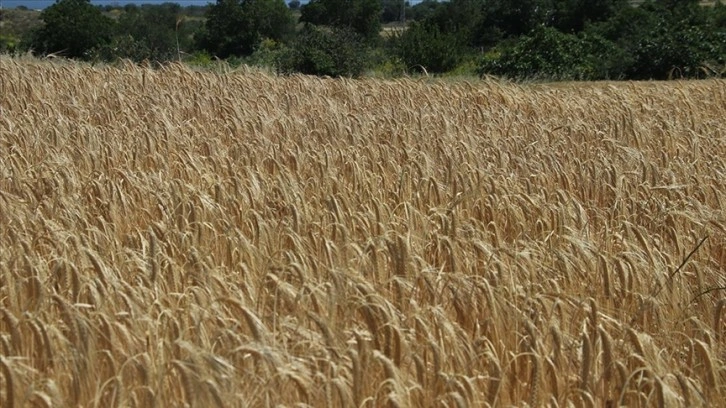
pixel 41 4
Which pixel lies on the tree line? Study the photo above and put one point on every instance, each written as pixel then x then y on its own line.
pixel 522 39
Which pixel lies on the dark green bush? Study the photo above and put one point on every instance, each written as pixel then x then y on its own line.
pixel 547 53
pixel 320 50
pixel 237 27
pixel 424 45
pixel 8 43
pixel 360 16
pixel 72 28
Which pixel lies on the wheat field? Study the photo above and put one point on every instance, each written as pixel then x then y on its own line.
pixel 171 237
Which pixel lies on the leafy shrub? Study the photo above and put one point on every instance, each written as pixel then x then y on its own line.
pixel 547 53
pixel 8 43
pixel 320 50
pixel 666 39
pixel 267 54
pixel 199 59
pixel 151 32
pixel 121 47
pixel 360 16
pixel 236 27
pixel 423 10
pixel 424 45
pixel 394 10
pixel 73 28
pixel 674 52
pixel 382 62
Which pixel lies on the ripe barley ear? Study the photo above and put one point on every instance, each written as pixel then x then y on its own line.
pixel 708 366
pixel 635 341
pixel 9 384
pixel 685 389
pixel 495 380
pixel 717 313
pixel 586 363
pixel 186 381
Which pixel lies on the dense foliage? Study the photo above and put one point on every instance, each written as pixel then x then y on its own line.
pixel 332 51
pixel 427 46
pixel 551 54
pixel 72 28
pixel 236 27
pixel 361 16
pixel 146 33
pixel 522 39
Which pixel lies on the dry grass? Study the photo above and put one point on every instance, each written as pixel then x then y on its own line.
pixel 175 237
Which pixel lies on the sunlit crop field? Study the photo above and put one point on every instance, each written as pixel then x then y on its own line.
pixel 171 237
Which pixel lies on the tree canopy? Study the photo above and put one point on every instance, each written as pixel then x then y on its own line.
pixel 236 27
pixel 361 16
pixel 72 28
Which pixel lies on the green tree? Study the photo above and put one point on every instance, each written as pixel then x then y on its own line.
pixel 718 16
pixel 675 4
pixel 395 10
pixel 483 23
pixel 72 28
pixel 226 30
pixel 150 33
pixel 320 50
pixel 666 38
pixel 442 36
pixel 547 53
pixel 571 16
pixel 448 34
pixel 423 10
pixel 513 18
pixel 154 31
pixel 425 45
pixel 671 52
pixel 361 16
pixel 272 19
pixel 236 27
pixel 460 18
